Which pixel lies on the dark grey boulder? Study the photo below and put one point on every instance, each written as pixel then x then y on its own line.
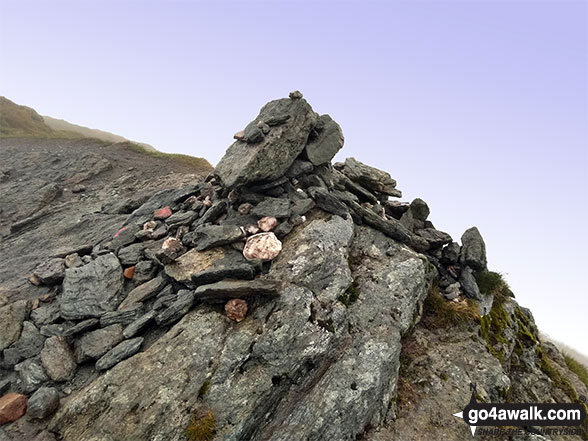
pixel 416 215
pixel 120 352
pixel 395 209
pixel 53 329
pixel 43 403
pixel 302 206
pixel 344 183
pixel 92 289
pixel 325 141
pixel 327 201
pixel 95 344
pixel 144 270
pixel 139 324
pixel 469 285
pixel 212 214
pixel 28 345
pixel 12 317
pixel 276 207
pixel 210 236
pixel 181 218
pixel 229 289
pixel 51 272
pixel 269 157
pixel 123 316
pixel 45 314
pixel 451 253
pixel 132 254
pixel 473 250
pixel 177 310
pixel 143 292
pixel 123 237
pixel 369 177
pixel 299 168
pixel 435 237
pixel 32 374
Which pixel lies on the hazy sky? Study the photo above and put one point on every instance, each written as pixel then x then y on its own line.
pixel 478 107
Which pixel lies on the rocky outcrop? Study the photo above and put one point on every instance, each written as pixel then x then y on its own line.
pixel 277 300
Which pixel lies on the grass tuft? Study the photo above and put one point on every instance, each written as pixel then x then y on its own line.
pixel 202 426
pixel 441 313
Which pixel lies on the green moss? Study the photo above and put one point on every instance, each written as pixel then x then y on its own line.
pixel 490 282
pixel 350 295
pixel 577 368
pixel 492 327
pixel 558 380
pixel 444 377
pixel 204 389
pixel 202 426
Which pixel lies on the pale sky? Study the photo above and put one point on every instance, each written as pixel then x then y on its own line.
pixel 478 107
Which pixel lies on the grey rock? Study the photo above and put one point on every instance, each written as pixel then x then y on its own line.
pixel 43 403
pixel 163 301
pixel 276 207
pixel 123 316
pixel 210 236
pixel 4 386
pixel 95 344
pixel 12 316
pixel 28 345
pixel 181 218
pixel 131 254
pixel 299 168
pixel 271 157
pixel 302 206
pixel 45 314
pixel 355 188
pixel 144 270
pixel 283 229
pixel 92 289
pixel 327 142
pixel 451 253
pixel 73 261
pixel 83 326
pixel 473 250
pixel 452 291
pixel 161 199
pixel 123 237
pixel 327 201
pixel 415 216
pixel 212 214
pixel 485 304
pixel 139 324
pixel 200 267
pixel 230 289
pixel 58 359
pixel 468 282
pixel 368 177
pixel 435 238
pixel 51 271
pixel 143 292
pixel 53 329
pixel 32 374
pixel 395 209
pixel 177 310
pixel 119 353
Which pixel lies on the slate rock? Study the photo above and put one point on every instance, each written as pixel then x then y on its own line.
pixel 43 403
pixel 46 314
pixel 299 168
pixel 143 292
pixel 58 359
pixel 28 345
pixel 181 218
pixel 229 289
pixel 276 207
pixel 473 250
pixel 139 324
pixel 120 352
pixel 212 214
pixel 73 261
pixel 144 270
pixel 210 266
pixel 210 236
pixel 123 237
pixel 92 289
pixel 270 158
pixel 435 237
pixel 469 285
pixel 327 142
pixel 450 253
pixel 177 310
pixel 4 386
pixel 368 177
pixel 302 206
pixel 32 374
pixel 83 326
pixel 12 317
pixel 95 344
pixel 122 316
pixel 132 254
pixel 51 271
pixel 327 201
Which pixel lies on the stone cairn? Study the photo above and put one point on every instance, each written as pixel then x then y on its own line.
pixel 212 242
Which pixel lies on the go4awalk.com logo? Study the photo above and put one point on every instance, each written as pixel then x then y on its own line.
pixel 527 414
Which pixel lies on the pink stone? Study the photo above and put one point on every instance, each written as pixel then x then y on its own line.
pixel 262 246
pixel 120 231
pixel 150 226
pixel 162 213
pixel 12 407
pixel 267 223
pixel 236 309
pixel 172 244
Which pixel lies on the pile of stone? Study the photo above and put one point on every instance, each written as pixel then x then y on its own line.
pixel 213 243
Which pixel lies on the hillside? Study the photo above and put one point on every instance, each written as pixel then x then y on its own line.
pixel 279 298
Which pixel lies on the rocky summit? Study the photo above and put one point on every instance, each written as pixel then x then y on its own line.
pixel 281 298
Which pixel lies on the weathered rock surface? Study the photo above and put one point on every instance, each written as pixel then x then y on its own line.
pixel 43 403
pixel 96 343
pixel 58 359
pixel 12 316
pixel 120 352
pixel 92 289
pixel 51 271
pixel 210 236
pixel 227 289
pixel 32 374
pixel 368 177
pixel 473 249
pixel 143 292
pixel 28 345
pixel 325 142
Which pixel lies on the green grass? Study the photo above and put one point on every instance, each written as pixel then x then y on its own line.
pixel 577 368
pixel 441 313
pixel 493 283
pixel 202 426
pixel 350 296
pixel 200 164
